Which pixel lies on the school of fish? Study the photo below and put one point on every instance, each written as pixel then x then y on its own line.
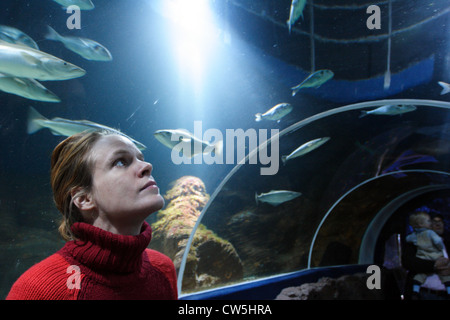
pixel 23 65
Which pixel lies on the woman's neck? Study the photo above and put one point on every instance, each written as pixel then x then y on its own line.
pixel 130 229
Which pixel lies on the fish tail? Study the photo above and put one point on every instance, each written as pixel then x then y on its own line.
pixel 33 120
pixel 289 26
pixel 445 87
pixel 256 198
pixel 363 114
pixel 52 34
pixel 258 117
pixel 284 159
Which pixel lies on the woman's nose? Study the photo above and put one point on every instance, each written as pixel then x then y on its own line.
pixel 145 169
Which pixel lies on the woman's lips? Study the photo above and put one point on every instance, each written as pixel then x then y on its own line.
pixel 150 185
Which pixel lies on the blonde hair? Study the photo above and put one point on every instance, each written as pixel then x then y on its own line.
pixel 417 219
pixel 71 168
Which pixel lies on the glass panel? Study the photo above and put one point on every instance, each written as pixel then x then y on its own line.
pixel 213 68
pixel 271 240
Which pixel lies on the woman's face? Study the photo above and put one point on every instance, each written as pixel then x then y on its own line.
pixel 123 189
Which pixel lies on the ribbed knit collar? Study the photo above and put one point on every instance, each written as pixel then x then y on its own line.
pixel 102 251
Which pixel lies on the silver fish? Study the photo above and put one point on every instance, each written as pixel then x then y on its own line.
pixel 445 87
pixel 305 148
pixel 87 48
pixel 276 197
pixel 24 62
pixel 314 80
pixel 15 36
pixel 295 12
pixel 389 110
pixel 275 113
pixel 82 4
pixel 27 88
pixel 66 127
pixel 187 141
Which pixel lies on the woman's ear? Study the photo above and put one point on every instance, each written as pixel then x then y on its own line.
pixel 82 199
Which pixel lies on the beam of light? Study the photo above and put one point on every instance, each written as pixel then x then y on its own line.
pixel 194 38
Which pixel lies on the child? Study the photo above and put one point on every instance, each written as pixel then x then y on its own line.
pixel 429 247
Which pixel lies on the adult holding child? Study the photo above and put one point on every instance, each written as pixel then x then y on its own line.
pixel 426 259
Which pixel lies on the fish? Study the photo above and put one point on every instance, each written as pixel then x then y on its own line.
pixel 82 4
pixel 15 36
pixel 295 12
pixel 314 80
pixel 305 148
pixel 276 197
pixel 66 127
pixel 275 113
pixel 445 87
pixel 173 138
pixel 87 48
pixel 25 62
pixel 27 88
pixel 389 110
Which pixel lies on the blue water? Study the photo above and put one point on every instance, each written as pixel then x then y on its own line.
pixel 173 66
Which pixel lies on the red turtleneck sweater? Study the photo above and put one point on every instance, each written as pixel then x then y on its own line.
pixel 100 265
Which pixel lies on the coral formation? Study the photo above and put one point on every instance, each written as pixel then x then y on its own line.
pixel 211 260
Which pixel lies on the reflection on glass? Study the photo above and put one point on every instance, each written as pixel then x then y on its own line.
pixel 178 63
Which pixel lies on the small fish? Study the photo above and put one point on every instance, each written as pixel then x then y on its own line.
pixel 314 80
pixel 27 88
pixel 445 87
pixel 186 140
pixel 66 127
pixel 82 4
pixel 276 197
pixel 275 113
pixel 305 148
pixel 295 12
pixel 24 62
pixel 15 36
pixel 389 110
pixel 87 48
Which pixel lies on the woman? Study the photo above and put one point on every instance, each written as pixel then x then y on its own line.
pixel 104 189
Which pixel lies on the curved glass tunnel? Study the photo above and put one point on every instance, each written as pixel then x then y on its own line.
pixel 351 186
pixel 177 63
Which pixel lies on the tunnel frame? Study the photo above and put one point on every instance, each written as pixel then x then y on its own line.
pixel 292 128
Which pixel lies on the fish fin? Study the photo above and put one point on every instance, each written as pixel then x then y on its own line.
pixel 33 117
pixel 289 26
pixel 363 114
pixel 295 90
pixel 258 117
pixel 30 59
pixel 52 34
pixel 284 159
pixel 445 87
pixel 55 133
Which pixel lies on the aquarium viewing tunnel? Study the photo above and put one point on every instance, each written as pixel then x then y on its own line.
pixel 357 192
pixel 329 120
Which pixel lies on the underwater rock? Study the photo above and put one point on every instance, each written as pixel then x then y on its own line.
pixel 347 287
pixel 211 260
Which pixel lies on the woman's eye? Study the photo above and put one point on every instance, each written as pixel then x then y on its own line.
pixel 120 163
